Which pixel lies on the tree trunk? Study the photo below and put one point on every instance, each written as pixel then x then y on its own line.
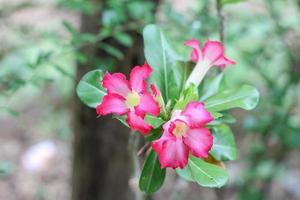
pixel 101 163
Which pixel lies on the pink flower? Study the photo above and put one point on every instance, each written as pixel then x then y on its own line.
pixel 129 98
pixel 212 54
pixel 157 96
pixel 185 133
pixel 154 90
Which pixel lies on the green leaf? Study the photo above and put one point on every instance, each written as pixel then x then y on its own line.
pixel 210 86
pixel 224 147
pixel 203 173
pixel 154 134
pixel 89 88
pixel 185 173
pixel 163 58
pixel 122 119
pixel 123 38
pixel 113 51
pixel 88 38
pixel 181 70
pixel 188 95
pixel 152 176
pixel 245 97
pixel 155 122
pixel 216 115
pixel 80 57
pixel 222 118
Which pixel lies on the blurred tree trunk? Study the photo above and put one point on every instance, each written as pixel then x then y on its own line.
pixel 101 163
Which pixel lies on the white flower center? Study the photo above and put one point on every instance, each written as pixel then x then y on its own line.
pixel 133 99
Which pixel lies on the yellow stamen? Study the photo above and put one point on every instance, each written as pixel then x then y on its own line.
pixel 180 129
pixel 133 99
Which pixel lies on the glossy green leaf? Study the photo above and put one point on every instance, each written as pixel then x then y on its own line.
pixel 155 122
pixel 245 97
pixel 210 86
pixel 163 59
pixel 221 118
pixel 203 173
pixel 185 173
pixel 152 176
pixel 188 95
pixel 224 147
pixel 216 115
pixel 154 134
pixel 89 88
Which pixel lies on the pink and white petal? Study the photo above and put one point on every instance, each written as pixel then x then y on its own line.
pixel 116 83
pixel 171 153
pixel 223 61
pixel 212 51
pixel 137 123
pixel 176 114
pixel 147 105
pixel 138 76
pixel 197 115
pixel 166 126
pixel 196 54
pixel 199 141
pixel 112 103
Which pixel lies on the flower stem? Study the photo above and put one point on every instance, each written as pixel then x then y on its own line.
pixel 197 74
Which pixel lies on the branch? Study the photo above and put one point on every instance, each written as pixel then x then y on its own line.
pixel 143 149
pixel 221 19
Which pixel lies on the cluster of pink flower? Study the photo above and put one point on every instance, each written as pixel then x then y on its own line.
pixel 185 132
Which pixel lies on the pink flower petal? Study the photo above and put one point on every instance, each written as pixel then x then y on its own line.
pixel 197 115
pixel 177 115
pixel 112 103
pixel 155 91
pixel 116 83
pixel 199 141
pixel 223 61
pixel 137 123
pixel 138 76
pixel 147 105
pixel 158 144
pixel 196 54
pixel 171 152
pixel 212 51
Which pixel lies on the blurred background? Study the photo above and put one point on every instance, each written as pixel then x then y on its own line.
pixel 52 147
